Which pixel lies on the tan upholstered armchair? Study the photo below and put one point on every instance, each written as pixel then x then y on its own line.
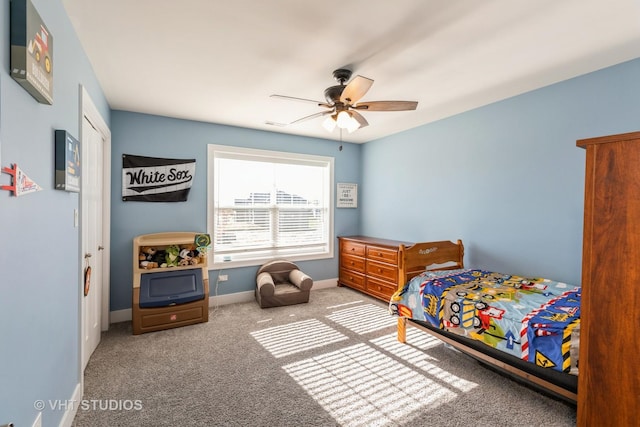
pixel 280 282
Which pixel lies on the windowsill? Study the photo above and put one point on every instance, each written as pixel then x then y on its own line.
pixel 223 265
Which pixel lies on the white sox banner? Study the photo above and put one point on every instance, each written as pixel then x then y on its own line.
pixel 152 179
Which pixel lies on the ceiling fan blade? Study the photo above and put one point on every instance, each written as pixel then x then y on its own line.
pixel 309 101
pixel 311 116
pixel 302 119
pixel 272 123
pixel 359 118
pixel 387 105
pixel 355 90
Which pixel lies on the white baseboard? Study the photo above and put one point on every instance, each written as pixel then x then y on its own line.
pixel 70 413
pixel 323 284
pixel 120 316
pixel 218 300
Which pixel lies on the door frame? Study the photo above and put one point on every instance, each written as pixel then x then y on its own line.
pixel 89 110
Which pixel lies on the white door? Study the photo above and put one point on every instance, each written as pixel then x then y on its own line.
pixel 92 147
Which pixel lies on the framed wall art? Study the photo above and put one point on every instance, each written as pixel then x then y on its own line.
pixel 31 51
pixel 68 168
pixel 347 195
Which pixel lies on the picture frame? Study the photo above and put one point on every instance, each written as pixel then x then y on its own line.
pixel 67 162
pixel 31 51
pixel 347 195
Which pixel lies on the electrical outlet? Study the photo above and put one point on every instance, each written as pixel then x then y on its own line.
pixel 223 278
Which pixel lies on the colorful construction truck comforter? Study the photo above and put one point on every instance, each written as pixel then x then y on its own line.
pixel 534 319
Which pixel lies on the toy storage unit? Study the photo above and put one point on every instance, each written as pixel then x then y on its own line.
pixel 182 296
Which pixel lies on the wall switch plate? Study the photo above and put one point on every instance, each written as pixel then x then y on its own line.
pixel 223 278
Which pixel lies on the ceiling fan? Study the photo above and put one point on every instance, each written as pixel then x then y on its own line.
pixel 342 106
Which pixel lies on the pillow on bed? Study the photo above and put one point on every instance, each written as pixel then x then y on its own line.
pixel 436 266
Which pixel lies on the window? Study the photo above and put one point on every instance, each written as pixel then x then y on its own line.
pixel 268 204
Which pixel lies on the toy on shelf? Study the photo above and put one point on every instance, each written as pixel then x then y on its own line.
pixel 171 256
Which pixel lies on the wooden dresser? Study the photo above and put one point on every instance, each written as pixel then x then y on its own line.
pixel 369 265
pixel 609 381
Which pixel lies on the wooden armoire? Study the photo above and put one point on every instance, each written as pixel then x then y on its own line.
pixel 609 379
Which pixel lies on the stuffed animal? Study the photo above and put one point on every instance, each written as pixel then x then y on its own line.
pixel 147 252
pixel 172 257
pixel 147 265
pixel 199 257
pixel 185 257
pixel 160 257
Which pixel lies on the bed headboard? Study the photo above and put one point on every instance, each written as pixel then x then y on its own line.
pixel 415 259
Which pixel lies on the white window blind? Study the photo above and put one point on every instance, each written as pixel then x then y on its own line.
pixel 266 204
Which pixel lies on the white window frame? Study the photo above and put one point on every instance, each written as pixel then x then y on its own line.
pixel 223 151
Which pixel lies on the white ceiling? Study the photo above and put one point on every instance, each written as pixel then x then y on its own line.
pixel 218 61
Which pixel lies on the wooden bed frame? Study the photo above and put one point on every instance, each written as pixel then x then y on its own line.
pixel 446 255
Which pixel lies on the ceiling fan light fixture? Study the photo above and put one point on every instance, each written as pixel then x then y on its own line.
pixel 344 119
pixel 343 103
pixel 329 123
pixel 353 125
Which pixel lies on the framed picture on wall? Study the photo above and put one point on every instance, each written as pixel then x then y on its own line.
pixel 347 195
pixel 68 168
pixel 31 51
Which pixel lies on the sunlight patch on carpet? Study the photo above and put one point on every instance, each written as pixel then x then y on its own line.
pixel 331 307
pixel 363 319
pixel 413 353
pixel 360 386
pixel 295 337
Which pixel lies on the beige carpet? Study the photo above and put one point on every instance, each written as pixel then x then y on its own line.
pixel 332 362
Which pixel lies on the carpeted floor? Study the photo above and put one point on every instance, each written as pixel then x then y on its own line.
pixel 332 362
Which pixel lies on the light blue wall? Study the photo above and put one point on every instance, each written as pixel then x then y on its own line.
pixel 156 136
pixel 506 178
pixel 39 271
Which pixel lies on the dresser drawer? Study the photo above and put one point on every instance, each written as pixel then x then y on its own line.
pixel 383 271
pixel 352 248
pixel 352 263
pixel 380 289
pixel 382 254
pixel 177 316
pixel 352 279
pixel 369 265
